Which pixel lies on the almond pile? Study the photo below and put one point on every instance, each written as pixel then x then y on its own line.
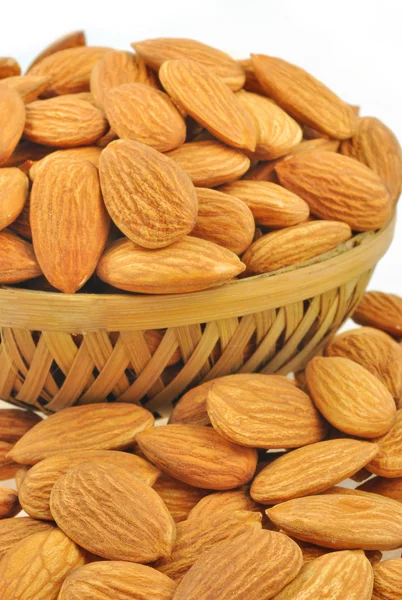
pixel 237 498
pixel 175 168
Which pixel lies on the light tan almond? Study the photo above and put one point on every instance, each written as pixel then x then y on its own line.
pixel 186 266
pixel 210 163
pixel 251 84
pixel 22 225
pixel 388 461
pixel 350 397
pixel 324 464
pixel 380 310
pixel 139 112
pixel 391 488
pixel 8 467
pixel 149 197
pixel 374 350
pixel 30 87
pixel 9 67
pixel 35 568
pixel 13 195
pixel 14 423
pixel 20 476
pixel 112 513
pixel 13 531
pixel 9 504
pixel 223 503
pixel 110 136
pixel 70 40
pixel 198 456
pixel 388 580
pixel 116 579
pixel 12 121
pixel 337 188
pixel 155 52
pixel 90 153
pixel 272 205
pixel 107 427
pixel 209 101
pixel 64 122
pixel 230 572
pixel 258 411
pixel 375 145
pixel 342 521
pixel 180 498
pixel 294 245
pixel 343 575
pixel 191 409
pixel 304 97
pixel 17 259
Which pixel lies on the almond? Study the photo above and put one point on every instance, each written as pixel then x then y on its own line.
pixel 14 423
pixel 64 122
pixel 251 84
pixel 157 51
pixel 17 259
pixel 111 513
pixel 13 195
pixel 277 133
pixel 13 531
pixel 198 456
pixel 116 579
pixel 228 572
pixel 388 461
pixel 324 465
pixel 179 497
pixel 374 145
pixel 8 67
pixel 69 222
pixel 191 409
pixel 36 488
pixel 22 225
pixel 272 205
pixel 186 266
pixel 294 245
pixel 391 488
pixel 209 101
pixel 148 196
pixel 374 350
pixel 388 580
pixel 304 97
pixel 258 411
pixel 336 576
pixel 9 505
pixel 209 163
pixel 380 310
pixel 90 153
pixel 25 151
pixel 12 121
pixel 350 397
pixel 35 568
pixel 70 40
pixel 139 112
pixel 223 503
pixel 342 521
pixel 107 427
pixel 337 188
pixel 8 468
pixel 30 87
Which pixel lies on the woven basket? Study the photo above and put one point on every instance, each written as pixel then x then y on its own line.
pixel 58 350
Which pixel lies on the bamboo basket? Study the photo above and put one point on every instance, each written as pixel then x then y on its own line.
pixel 59 350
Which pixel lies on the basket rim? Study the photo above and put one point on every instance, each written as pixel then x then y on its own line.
pixel 76 313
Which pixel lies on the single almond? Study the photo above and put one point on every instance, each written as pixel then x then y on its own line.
pixel 9 504
pixel 22 225
pixel 388 461
pixel 13 195
pixel 14 423
pixel 112 513
pixel 13 531
pixel 70 40
pixel 30 87
pixel 180 498
pixel 380 310
pixel 9 67
pixel 90 153
pixel 12 121
pixel 191 409
pixel 391 488
pixel 8 467
pixel 223 503
pixel 209 101
pixel 388 580
pixel 251 84
pixel 25 151
pixel 17 259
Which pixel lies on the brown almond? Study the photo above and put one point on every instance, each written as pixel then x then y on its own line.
pixel 304 97
pixel 90 153
pixel 388 461
pixel 9 67
pixel 13 531
pixel 70 40
pixel 380 310
pixel 388 580
pixel 209 101
pixel 107 426
pixel 131 521
pixel 337 188
pixel 180 498
pixel 13 195
pixel 14 423
pixel 191 409
pixel 12 121
pixel 223 503
pixel 22 225
pixel 391 488
pixel 251 84
pixel 30 87
pixel 25 151
pixel 17 259
pixel 9 504
pixel 8 467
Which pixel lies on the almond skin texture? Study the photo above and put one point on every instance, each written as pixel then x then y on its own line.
pixel 272 206
pixel 391 488
pixel 350 397
pixel 73 39
pixel 388 580
pixel 12 121
pixel 90 153
pixel 324 464
pixel 30 87
pixel 116 579
pixel 335 576
pixel 198 456
pixel 8 67
pixel 388 462
pixel 228 572
pixel 63 122
pixel 186 266
pixel 294 245
pixel 179 497
pixel 380 310
pixel 149 197
pixel 192 407
pixel 342 521
pixel 35 568
pixel 107 427
pixel 209 163
pixel 277 133
pixel 223 503
pixel 157 51
pixel 209 101
pixel 375 351
pixel 139 112
pixel 9 505
pixel 258 411
pixel 304 97
pixel 36 488
pixel 17 259
pixel 69 222
pixel 13 195
pixel 224 220
pixel 337 188
pixel 374 145
pixel 113 514
pixel 15 423
pixel 13 531
pixel 8 468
